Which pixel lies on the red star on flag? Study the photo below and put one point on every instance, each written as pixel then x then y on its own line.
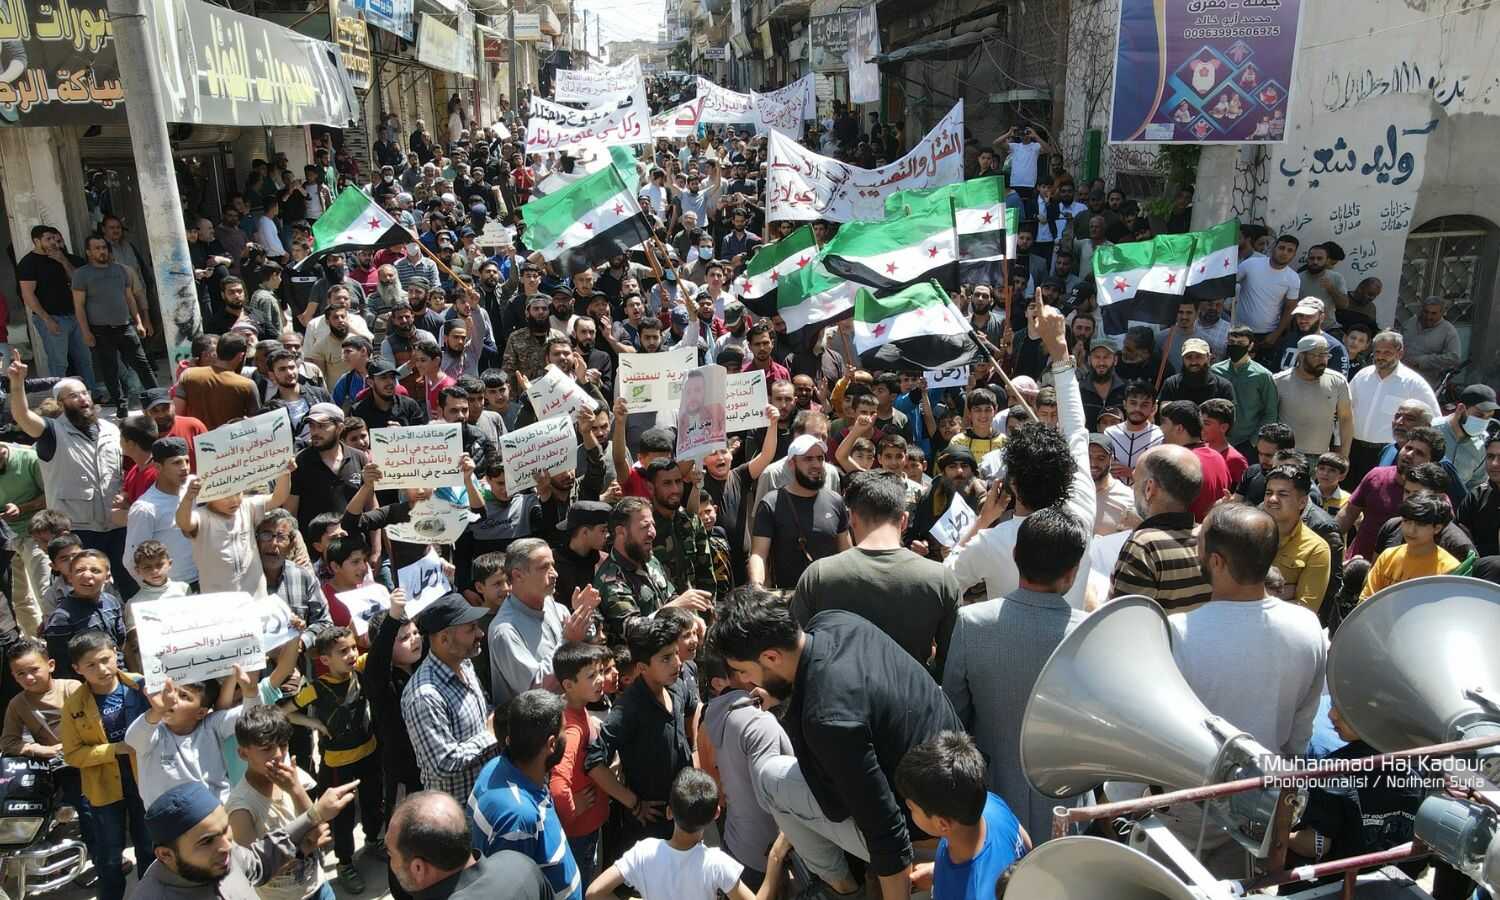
pixel 559 243
pixel 880 329
pixel 588 226
pixel 988 218
pixel 932 252
pixel 1202 269
pixel 374 222
pixel 619 208
pixel 890 268
pixel 1171 278
pixel 748 285
pixel 802 261
pixel 1121 284
pixel 775 276
pixel 1226 263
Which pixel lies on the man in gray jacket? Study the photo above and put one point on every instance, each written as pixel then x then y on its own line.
pixel 197 858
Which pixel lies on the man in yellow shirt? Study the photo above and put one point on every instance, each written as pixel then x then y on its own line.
pixel 1303 556
pixel 1423 515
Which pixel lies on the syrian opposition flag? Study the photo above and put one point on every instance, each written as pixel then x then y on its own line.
pixel 772 264
pixel 811 296
pixel 585 223
pixel 354 222
pixel 979 218
pixel 894 253
pixel 1216 262
pixel 914 328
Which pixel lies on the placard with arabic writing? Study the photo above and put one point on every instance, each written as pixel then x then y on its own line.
pixel 190 639
pixel 418 456
pixel 243 455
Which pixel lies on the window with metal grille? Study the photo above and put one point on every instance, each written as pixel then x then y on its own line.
pixel 1450 257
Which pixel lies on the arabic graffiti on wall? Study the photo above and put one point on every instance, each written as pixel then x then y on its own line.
pixel 1204 71
pixel 1353 177
pixel 60 59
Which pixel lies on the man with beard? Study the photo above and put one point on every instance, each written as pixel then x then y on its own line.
pixel 761 342
pixel 631 581
pixel 330 472
pixel 849 730
pixel 599 366
pixel 1114 502
pixel 982 315
pixel 477 332
pixel 1138 360
pixel 1307 318
pixel 291 394
pixel 681 543
pixel 431 851
pixel 804 395
pixel 323 345
pixel 1255 398
pixel 1268 289
pixel 335 274
pixel 157 403
pixel 1103 388
pixel 1212 326
pixel 1310 396
pixel 1320 281
pixel 1381 492
pixel 81 462
pixel 1160 558
pixel 526 348
pixel 388 290
pixel 401 337
pixel 800 523
pixel 489 287
pixel 197 858
pixel 1130 439
pixel 1466 430
pixel 218 393
pixel 1195 382
pixel 444 707
pixel 1377 392
pixel 511 807
pixel 1360 306
pixel 560 313
pixel 1169 343
pixel 1182 426
pixel 453 408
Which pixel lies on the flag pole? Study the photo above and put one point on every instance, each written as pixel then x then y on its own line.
pixel 444 266
pixel 1161 370
pixel 983 344
pixel 1005 274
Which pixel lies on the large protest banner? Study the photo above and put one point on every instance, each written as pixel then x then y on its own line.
pixel 190 639
pixel 781 110
pixel 647 381
pixel 700 413
pixel 556 394
pixel 550 446
pixel 744 401
pixel 553 128
pixel 597 85
pixel 1204 73
pixel 418 456
pixel 243 454
pixel 803 185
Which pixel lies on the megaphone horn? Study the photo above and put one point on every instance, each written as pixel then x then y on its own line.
pixel 1415 664
pixel 1090 868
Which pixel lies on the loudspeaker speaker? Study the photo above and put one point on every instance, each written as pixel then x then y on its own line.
pixel 1415 664
pixel 1090 868
pixel 1111 705
pixel 1465 835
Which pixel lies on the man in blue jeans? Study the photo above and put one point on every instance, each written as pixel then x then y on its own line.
pixel 106 303
pixel 44 275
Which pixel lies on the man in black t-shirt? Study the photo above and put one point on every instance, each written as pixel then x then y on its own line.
pixel 45 275
pixel 799 523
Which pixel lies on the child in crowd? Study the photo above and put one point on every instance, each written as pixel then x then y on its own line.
pixel 61 551
pixel 1275 583
pixel 916 466
pixel 337 708
pixel 690 632
pixel 180 738
pixel 861 454
pixel 269 688
pixel 579 668
pixel 44 526
pixel 943 781
pixel 683 867
pixel 34 716
pixel 273 793
pixel 154 565
pixel 86 606
pixel 347 563
pixel 621 673
pixel 94 722
pixel 223 535
pixel 718 540
pixel 1328 474
pixel 489 584
pixel 395 652
pixel 320 532
pixel 1423 516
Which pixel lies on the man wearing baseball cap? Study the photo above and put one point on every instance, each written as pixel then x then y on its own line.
pixel 1307 318
pixel 1310 395
pixel 1195 381
pixel 330 472
pixel 385 402
pixel 444 707
pixel 1467 430
pixel 157 403
pixel 799 523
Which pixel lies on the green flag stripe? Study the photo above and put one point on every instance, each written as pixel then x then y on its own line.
pixel 870 308
pixel 771 255
pixel 350 207
pixel 554 214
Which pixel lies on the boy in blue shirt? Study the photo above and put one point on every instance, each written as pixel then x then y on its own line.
pixel 943 781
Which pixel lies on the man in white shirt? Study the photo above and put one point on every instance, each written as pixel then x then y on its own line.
pixel 1268 290
pixel 153 517
pixel 1375 392
pixel 1042 469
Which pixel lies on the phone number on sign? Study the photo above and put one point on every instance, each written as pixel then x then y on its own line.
pixel 1198 34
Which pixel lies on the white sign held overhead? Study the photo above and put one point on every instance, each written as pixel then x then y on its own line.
pixel 594 85
pixel 780 110
pixel 432 521
pixel 937 379
pixel 802 185
pixel 954 523
pixel 363 603
pixel 745 401
pixel 553 128
pixel 418 456
pixel 548 447
pixel 556 394
pixel 700 413
pixel 650 381
pixel 191 639
pixel 244 454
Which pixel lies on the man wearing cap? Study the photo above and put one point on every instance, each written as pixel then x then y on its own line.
pixel 198 859
pixel 736 329
pixel 383 405
pixel 530 625
pixel 799 523
pixel 1310 395
pixel 153 517
pixel 1307 318
pixel 444 707
pixel 526 348
pixel 1114 501
pixel 1465 429
pixel 1195 382
pixel 1099 385
pixel 560 314
pixel 328 474
pixel 432 856
pixel 577 555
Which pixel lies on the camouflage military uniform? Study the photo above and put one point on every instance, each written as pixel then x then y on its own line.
pixel 626 592
pixel 683 549
pixel 526 353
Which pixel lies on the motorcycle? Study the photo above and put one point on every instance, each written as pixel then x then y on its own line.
pixel 40 845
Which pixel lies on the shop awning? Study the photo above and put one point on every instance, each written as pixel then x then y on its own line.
pixel 951 48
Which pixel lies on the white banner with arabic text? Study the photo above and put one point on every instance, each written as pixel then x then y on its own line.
pixel 803 185
pixel 553 128
pixel 597 85
pixel 781 110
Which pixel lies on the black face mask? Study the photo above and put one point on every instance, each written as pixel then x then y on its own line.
pixel 1236 352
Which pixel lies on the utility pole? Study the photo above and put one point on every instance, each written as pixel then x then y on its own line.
pixel 515 55
pixel 572 18
pixel 146 113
